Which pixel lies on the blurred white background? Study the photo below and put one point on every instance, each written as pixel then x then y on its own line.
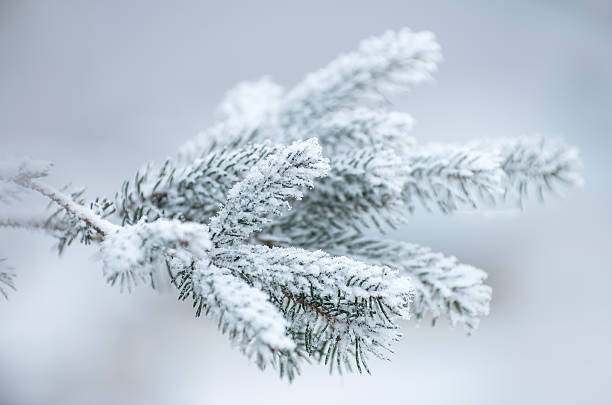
pixel 102 87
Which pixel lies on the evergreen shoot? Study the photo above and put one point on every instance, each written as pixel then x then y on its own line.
pixel 270 221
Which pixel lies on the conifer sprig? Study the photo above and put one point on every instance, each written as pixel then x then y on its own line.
pixel 266 222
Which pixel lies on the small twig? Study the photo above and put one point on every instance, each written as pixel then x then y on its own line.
pixel 313 307
pixel 102 226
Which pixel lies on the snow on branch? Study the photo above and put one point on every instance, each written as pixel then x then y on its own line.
pixel 443 285
pixel 74 210
pixel 68 227
pixel 327 299
pixel 72 214
pixel 350 86
pixel 451 177
pixel 189 192
pixel 246 315
pixel 537 163
pixel 361 127
pixel 363 189
pixel 267 186
pixel 307 284
pixel 388 63
pixel 133 253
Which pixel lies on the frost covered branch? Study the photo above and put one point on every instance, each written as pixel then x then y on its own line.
pixel 266 221
pixel 75 210
pixel 328 299
pixel 134 253
pixel 390 63
pixel 443 285
pixel 538 163
pixel 268 186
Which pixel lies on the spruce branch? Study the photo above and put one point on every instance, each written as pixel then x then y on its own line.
pixel 443 285
pixel 70 227
pixel 389 63
pixel 537 163
pixel 75 210
pixel 135 253
pixel 189 191
pixel 247 316
pixel 452 177
pixel 316 278
pixel 362 190
pixel 348 129
pixel 326 298
pixel 291 285
pixel 267 187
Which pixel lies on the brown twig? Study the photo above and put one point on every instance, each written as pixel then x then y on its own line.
pixel 312 307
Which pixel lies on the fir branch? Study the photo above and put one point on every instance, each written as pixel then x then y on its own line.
pixel 75 210
pixel 452 177
pixel 389 63
pixel 244 313
pixel 537 163
pixel 361 127
pixel 71 228
pixel 303 273
pixel 443 285
pixel 363 189
pixel 327 299
pixel 281 304
pixel 265 189
pixel 189 192
pixel 134 253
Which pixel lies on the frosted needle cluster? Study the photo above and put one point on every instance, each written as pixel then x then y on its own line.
pixel 272 220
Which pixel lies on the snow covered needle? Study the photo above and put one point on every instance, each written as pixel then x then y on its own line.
pixel 265 221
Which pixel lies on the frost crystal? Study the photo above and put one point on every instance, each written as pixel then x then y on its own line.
pixel 132 253
pixel 266 188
